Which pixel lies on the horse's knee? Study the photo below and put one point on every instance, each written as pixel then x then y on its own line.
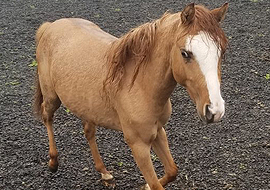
pixel 48 107
pixel 89 132
pixel 46 114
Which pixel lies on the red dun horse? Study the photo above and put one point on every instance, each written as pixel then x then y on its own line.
pixel 125 84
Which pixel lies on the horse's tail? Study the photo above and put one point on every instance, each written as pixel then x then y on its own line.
pixel 41 30
pixel 38 98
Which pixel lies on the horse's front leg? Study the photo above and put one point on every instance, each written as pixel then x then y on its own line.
pixel 161 148
pixel 139 140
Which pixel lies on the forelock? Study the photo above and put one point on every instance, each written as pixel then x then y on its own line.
pixel 205 22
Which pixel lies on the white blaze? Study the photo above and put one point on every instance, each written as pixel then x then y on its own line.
pixel 207 55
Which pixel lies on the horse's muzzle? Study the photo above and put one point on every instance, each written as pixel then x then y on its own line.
pixel 209 117
pixel 213 115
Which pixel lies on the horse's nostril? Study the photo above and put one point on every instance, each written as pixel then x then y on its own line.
pixel 208 115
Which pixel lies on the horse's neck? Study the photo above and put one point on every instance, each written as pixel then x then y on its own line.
pixel 158 79
pixel 155 77
pixel 158 72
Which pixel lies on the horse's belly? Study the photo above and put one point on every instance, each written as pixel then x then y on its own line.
pixel 91 109
pixel 101 117
pixel 81 91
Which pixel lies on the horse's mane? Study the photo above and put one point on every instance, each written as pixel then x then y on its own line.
pixel 138 43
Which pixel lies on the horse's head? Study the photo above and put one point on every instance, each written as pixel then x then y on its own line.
pixel 196 58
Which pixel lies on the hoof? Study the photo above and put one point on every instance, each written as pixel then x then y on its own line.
pixel 53 166
pixel 108 180
pixel 145 187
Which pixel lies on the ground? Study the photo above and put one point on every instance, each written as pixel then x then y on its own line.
pixel 233 154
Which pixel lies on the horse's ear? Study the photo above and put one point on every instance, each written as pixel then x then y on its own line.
pixel 219 13
pixel 187 15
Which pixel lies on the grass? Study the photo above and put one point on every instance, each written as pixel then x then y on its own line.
pixel 267 76
pixel 33 64
pixel 13 83
pixel 67 110
pixel 120 164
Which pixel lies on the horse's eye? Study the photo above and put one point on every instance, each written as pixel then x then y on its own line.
pixel 185 54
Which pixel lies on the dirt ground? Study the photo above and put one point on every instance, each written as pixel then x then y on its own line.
pixel 233 154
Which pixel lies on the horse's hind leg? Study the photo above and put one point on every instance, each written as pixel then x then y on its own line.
pixel 161 148
pixel 90 131
pixel 48 107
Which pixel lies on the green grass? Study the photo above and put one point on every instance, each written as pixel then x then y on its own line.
pixel 67 110
pixel 33 64
pixel 13 83
pixel 267 76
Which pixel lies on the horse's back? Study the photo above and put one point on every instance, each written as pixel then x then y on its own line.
pixel 71 31
pixel 71 64
pixel 71 37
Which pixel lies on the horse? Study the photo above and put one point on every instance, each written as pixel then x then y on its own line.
pixel 125 83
